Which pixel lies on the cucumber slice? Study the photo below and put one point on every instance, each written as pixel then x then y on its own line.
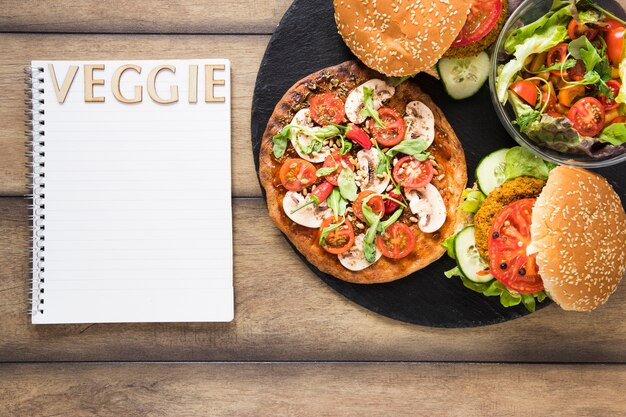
pixel 467 256
pixel 463 77
pixel 490 171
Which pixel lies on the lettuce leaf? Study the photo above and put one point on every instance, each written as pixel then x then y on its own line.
pixel 449 245
pixel 520 162
pixel 472 200
pixel 495 288
pixel 615 134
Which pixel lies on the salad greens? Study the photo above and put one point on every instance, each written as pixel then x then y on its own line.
pixel 412 147
pixel 347 184
pixel 472 200
pixel 322 172
pixel 522 162
pixel 337 203
pixel 615 134
pixel 596 63
pixel 508 298
pixel 368 106
pixel 282 138
pixel 540 36
pixel 537 37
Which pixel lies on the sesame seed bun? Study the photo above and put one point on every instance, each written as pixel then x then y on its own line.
pixel 579 232
pixel 399 39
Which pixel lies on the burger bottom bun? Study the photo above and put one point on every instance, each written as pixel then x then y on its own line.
pixel 579 233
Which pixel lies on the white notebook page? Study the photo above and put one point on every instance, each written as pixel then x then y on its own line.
pixel 138 224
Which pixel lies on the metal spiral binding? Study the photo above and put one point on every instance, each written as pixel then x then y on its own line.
pixel 36 154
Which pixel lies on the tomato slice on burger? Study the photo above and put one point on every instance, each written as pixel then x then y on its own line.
pixel 610 104
pixel 394 129
pixel 339 240
pixel 296 174
pixel 526 90
pixel 575 30
pixel 557 55
pixel 413 173
pixel 483 16
pixel 510 235
pixel 587 114
pixel 327 109
pixel 336 160
pixel 376 203
pixel 397 242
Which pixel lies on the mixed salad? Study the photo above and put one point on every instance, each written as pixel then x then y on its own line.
pixel 564 80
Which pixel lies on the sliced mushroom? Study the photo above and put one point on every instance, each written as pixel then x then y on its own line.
pixel 354 103
pixel 309 216
pixel 368 163
pixel 354 259
pixel 426 203
pixel 419 122
pixel 303 118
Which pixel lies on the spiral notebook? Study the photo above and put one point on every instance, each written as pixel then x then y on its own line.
pixel 131 191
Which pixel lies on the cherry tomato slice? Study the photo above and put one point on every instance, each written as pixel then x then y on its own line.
pixel 610 24
pixel 336 160
pixel 575 30
pixel 327 108
pixel 413 173
pixel 397 242
pixel 482 17
pixel 339 240
pixel 296 174
pixel 557 55
pixel 376 203
pixel 615 45
pixel 587 114
pixel 526 90
pixel 510 235
pixel 610 104
pixel 394 129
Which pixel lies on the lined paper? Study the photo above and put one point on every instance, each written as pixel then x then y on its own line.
pixel 138 223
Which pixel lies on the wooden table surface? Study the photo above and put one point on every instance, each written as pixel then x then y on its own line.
pixel 295 348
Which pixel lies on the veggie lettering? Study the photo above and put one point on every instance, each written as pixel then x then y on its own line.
pixel 91 72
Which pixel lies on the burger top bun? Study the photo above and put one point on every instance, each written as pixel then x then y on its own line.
pixel 399 38
pixel 579 233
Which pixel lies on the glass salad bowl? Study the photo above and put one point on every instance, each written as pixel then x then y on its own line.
pixel 587 154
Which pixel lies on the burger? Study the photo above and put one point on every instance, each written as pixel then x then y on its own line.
pixel 404 38
pixel 540 231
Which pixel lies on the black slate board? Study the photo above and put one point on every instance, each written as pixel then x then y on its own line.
pixel 306 41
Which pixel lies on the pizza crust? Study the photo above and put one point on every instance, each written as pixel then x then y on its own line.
pixel 446 149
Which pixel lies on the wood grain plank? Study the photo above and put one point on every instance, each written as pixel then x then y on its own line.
pixel 245 53
pixel 321 389
pixel 284 312
pixel 147 16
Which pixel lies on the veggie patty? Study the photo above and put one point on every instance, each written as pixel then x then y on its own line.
pixel 500 197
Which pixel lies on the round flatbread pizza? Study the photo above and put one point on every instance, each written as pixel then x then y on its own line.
pixel 362 176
